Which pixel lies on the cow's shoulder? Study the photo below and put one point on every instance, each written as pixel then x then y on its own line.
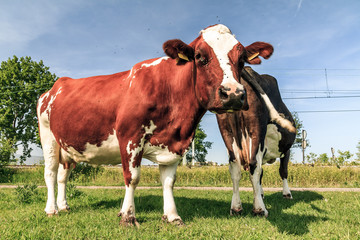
pixel 270 86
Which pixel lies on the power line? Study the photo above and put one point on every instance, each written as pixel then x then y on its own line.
pixel 354 96
pixel 310 69
pixel 314 111
pixel 30 90
pixel 315 91
pixel 328 111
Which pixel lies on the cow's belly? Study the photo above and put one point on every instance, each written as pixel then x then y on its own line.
pixel 107 153
pixel 160 154
pixel 273 137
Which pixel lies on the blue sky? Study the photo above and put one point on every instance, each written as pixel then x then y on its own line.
pixel 86 38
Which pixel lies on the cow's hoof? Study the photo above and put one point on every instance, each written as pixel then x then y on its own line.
pixel 66 209
pixel 128 221
pixel 236 212
pixel 288 196
pixel 260 213
pixel 177 221
pixel 51 214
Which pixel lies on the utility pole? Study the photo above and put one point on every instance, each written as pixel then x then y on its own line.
pixel 333 154
pixel 303 144
pixel 193 152
pixel 184 160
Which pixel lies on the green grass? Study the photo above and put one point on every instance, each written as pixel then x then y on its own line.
pixel 299 176
pixel 309 215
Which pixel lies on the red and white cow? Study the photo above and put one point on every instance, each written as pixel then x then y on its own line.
pixel 263 131
pixel 150 111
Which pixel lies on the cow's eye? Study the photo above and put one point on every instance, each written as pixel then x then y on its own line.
pixel 201 59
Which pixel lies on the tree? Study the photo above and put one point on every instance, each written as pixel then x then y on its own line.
pixel 6 152
pixel 311 158
pixel 201 146
pixel 299 128
pixel 358 151
pixel 22 81
pixel 323 159
pixel 343 157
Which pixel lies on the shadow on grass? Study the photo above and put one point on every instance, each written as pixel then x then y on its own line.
pixel 297 224
pixel 192 207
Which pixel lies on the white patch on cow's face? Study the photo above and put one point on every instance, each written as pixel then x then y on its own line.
pixel 139 147
pixel 221 40
pixel 275 116
pixel 272 139
pixel 107 153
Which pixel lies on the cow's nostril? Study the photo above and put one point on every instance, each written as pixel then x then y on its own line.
pixel 243 96
pixel 238 90
pixel 223 92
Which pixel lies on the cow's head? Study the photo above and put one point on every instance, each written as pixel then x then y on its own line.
pixel 219 59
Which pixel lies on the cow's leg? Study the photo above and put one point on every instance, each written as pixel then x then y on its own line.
pixel 261 177
pixel 283 170
pixel 255 175
pixel 235 172
pixel 127 212
pixel 51 156
pixel 168 177
pixel 62 179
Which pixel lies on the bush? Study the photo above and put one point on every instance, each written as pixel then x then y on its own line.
pixel 7 151
pixel 27 193
pixel 84 172
pixel 72 191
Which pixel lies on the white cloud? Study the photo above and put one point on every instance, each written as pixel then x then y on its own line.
pixel 24 21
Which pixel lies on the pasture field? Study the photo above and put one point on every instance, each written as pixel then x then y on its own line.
pixel 299 176
pixel 93 215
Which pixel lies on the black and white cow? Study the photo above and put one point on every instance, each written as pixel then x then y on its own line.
pixel 262 132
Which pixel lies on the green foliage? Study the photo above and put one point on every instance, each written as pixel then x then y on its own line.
pixel 201 146
pixel 27 193
pixel 323 158
pixel 6 175
pixel 311 158
pixel 72 191
pixel 343 157
pixel 299 176
pixel 340 160
pixel 84 172
pixel 22 81
pixel 6 151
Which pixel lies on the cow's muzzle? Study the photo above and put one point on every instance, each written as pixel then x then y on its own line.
pixel 232 98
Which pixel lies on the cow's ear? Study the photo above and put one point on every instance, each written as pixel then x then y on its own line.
pixel 177 49
pixel 257 49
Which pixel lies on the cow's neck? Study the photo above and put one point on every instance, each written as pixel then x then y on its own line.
pixel 185 112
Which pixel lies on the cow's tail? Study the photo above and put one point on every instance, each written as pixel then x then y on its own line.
pixel 274 115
